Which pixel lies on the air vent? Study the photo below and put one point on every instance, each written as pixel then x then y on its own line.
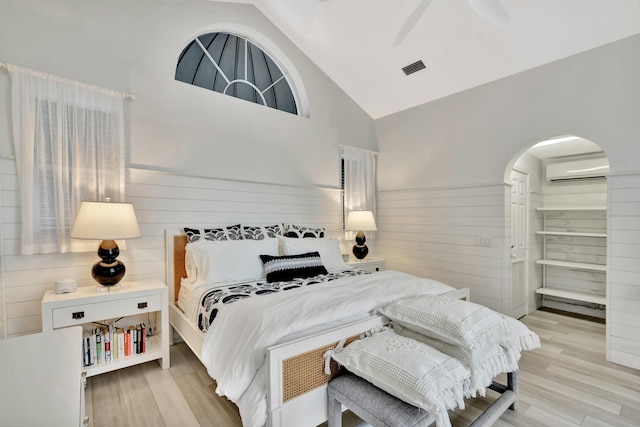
pixel 412 68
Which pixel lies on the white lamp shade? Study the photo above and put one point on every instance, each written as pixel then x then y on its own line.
pixel 360 221
pixel 105 221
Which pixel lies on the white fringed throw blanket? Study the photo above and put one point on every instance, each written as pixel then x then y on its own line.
pixel 486 343
pixel 489 343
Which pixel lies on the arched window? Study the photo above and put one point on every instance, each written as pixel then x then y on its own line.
pixel 233 65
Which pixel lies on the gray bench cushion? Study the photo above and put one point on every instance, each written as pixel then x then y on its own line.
pixel 375 406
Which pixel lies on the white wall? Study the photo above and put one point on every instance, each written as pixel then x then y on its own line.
pixel 194 156
pixel 434 232
pixel 134 46
pixel 162 201
pixel 471 137
pixel 474 137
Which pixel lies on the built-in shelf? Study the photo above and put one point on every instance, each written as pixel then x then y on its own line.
pixel 571 233
pixel 579 296
pixel 571 264
pixel 562 293
pixel 153 351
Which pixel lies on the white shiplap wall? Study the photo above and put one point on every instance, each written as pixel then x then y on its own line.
pixel 3 324
pixel 623 292
pixel 436 233
pixel 162 201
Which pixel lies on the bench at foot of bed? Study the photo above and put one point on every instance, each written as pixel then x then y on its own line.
pixel 381 409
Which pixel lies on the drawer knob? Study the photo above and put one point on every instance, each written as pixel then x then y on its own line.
pixel 77 315
pixel 142 305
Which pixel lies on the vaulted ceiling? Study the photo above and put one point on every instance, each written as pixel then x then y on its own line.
pixel 362 45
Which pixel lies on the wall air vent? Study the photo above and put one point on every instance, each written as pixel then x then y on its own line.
pixel 412 68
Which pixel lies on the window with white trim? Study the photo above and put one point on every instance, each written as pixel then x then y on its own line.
pixel 233 65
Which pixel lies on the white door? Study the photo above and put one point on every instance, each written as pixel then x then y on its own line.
pixel 519 243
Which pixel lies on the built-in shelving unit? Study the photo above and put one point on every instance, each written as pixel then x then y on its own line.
pixel 575 265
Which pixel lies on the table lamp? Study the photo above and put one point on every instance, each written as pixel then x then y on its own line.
pixel 360 221
pixel 106 221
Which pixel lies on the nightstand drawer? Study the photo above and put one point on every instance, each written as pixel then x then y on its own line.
pixel 368 264
pixel 83 313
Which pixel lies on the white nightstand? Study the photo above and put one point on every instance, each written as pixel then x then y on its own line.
pixel 368 264
pixel 87 305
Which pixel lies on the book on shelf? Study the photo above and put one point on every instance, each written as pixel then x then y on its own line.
pixel 106 338
pixel 108 343
pixel 121 343
pixel 143 337
pixel 114 341
pixel 138 338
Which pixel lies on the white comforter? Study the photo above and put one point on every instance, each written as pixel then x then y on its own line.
pixel 234 350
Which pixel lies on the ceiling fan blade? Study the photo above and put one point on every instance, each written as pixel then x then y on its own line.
pixel 491 10
pixel 411 21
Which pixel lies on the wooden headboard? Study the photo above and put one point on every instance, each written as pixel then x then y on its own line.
pixel 179 269
pixel 175 249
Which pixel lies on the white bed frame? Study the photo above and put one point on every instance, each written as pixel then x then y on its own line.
pixel 308 409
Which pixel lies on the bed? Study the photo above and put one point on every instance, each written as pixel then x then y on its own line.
pixel 280 380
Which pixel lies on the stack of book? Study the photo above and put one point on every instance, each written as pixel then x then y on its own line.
pixel 107 343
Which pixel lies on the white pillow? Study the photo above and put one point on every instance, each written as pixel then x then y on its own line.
pixel 408 369
pixel 329 250
pixel 227 260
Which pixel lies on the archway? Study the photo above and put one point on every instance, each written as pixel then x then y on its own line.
pixel 557 241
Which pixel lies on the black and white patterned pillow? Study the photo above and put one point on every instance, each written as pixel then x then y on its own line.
pixel 289 267
pixel 232 232
pixel 301 232
pixel 261 232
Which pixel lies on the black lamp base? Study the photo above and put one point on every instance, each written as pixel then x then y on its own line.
pixel 360 250
pixel 109 271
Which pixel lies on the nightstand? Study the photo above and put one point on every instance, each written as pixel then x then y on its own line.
pixel 88 305
pixel 369 264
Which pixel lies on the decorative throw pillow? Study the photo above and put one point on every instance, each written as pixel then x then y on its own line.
pixel 232 232
pixel 450 320
pixel 289 267
pixel 301 232
pixel 408 369
pixel 261 232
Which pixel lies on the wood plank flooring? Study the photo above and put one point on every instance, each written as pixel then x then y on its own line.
pixel 565 383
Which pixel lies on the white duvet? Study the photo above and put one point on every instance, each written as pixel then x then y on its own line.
pixel 234 350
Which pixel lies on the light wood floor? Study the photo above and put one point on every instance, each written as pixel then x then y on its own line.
pixel 565 383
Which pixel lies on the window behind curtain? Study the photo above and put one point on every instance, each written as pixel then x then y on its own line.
pixel 357 180
pixel 69 141
pixel 81 121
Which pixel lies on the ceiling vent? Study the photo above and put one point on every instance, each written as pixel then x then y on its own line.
pixel 578 170
pixel 415 67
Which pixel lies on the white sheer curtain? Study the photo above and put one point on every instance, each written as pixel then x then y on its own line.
pixel 359 180
pixel 69 146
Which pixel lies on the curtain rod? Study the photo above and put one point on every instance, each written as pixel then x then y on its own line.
pixel 125 95
pixel 375 153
